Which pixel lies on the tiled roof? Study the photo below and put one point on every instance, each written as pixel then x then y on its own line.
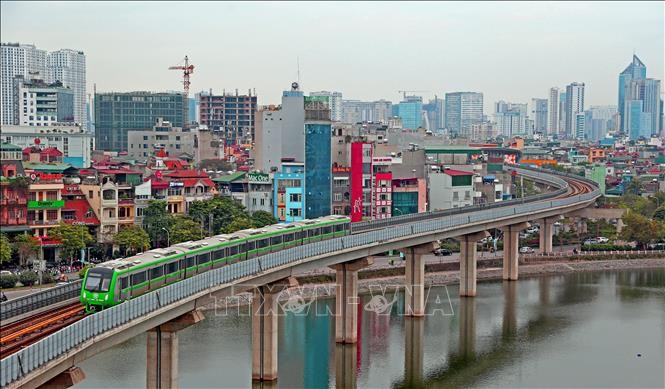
pixel 43 167
pixel 81 208
pixel 230 178
pixel 453 172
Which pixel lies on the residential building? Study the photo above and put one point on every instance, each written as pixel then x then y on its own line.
pixel 40 104
pixel 289 192
pixel 142 197
pixel 484 131
pixel 68 67
pixel 579 126
pixel 574 105
pixel 75 143
pixel 335 103
pixel 640 108
pixel 409 195
pixel 562 115
pixel 233 115
pixel 13 202
pixel 17 60
pixel 318 162
pixel 280 131
pixel 356 111
pixel 253 190
pixel 450 189
pixel 103 199
pixel 45 201
pixel 538 113
pixel 163 136
pixel 598 121
pixel 361 181
pixel 341 190
pixel 410 110
pixel 187 186
pixel 511 118
pixel 463 110
pixel 118 113
pixel 553 112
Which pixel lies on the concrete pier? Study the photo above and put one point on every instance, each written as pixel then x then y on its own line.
pixel 511 236
pixel 414 352
pixel 264 329
pixel 546 234
pixel 66 379
pixel 414 279
pixel 162 361
pixel 467 263
pixel 346 299
pixel 346 362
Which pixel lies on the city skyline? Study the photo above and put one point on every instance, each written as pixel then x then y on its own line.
pixel 348 61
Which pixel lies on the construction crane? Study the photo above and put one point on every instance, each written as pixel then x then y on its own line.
pixel 186 71
pixel 412 91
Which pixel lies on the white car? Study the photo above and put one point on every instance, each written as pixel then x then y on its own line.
pixel 527 250
pixel 602 239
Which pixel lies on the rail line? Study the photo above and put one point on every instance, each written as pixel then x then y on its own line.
pixel 22 333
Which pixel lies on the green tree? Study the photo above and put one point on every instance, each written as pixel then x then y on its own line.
pixel 72 238
pixel 659 214
pixel 26 247
pixel 155 219
pixel 224 211
pixel 5 249
pixel 132 239
pixel 263 218
pixel 641 229
pixel 182 229
pixel 238 224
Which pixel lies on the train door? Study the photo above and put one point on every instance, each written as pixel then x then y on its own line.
pixel 125 292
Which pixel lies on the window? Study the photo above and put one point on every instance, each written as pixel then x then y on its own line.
pixel 124 283
pixel 287 237
pixel 455 196
pixel 467 195
pixel 262 243
pixel 295 212
pixel 202 258
pixel 295 197
pixel 233 250
pixel 218 254
pixel 52 214
pixel 138 278
pixel 52 195
pixel 145 137
pixel 90 194
pixel 337 197
pixel 156 272
pixel 171 267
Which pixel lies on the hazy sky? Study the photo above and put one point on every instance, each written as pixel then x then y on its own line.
pixel 509 51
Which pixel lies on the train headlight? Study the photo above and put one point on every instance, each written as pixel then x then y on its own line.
pixel 106 297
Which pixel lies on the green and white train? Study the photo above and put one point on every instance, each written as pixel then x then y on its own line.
pixel 112 282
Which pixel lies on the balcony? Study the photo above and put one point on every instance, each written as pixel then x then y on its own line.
pixel 126 202
pixel 176 199
pixel 15 201
pixel 42 222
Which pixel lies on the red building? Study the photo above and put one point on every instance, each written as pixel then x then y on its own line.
pixel 13 191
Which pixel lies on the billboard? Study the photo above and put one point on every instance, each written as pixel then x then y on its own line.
pixel 356 181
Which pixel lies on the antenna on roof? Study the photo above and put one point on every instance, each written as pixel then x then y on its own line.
pixel 298 61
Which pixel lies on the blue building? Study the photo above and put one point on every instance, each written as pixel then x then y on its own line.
pixel 639 101
pixel 411 112
pixel 289 192
pixel 318 169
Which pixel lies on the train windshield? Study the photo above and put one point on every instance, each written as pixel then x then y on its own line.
pixel 98 281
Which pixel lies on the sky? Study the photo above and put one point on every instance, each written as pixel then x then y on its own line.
pixel 366 50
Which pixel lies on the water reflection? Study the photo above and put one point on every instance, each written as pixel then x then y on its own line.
pixel 530 333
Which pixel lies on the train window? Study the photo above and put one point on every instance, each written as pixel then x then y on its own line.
pixel 276 240
pixel 190 261
pixel 287 237
pixel 249 246
pixel 138 278
pixel 300 234
pixel 218 254
pixel 262 243
pixel 202 258
pixel 233 250
pixel 326 229
pixel 156 272
pixel 314 232
pixel 172 267
pixel 124 283
pixel 339 227
pixel 183 263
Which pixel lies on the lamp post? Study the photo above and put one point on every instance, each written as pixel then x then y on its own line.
pixel 400 211
pixel 168 237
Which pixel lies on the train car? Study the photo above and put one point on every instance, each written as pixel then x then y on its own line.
pixel 115 281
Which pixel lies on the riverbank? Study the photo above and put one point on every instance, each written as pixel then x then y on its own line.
pixel 311 286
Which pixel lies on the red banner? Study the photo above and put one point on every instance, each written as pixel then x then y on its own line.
pixel 356 181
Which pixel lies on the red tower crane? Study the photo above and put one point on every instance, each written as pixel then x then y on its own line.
pixel 186 71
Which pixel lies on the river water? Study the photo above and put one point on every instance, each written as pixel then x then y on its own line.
pixel 597 329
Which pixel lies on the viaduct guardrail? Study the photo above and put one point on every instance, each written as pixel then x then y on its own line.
pixel 34 301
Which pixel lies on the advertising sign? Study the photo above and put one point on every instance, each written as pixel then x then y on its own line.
pixel 356 181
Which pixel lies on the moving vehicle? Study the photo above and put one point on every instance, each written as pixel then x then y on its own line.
pixel 527 250
pixel 115 281
pixel 442 252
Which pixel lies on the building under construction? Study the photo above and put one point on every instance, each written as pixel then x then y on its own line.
pixel 231 114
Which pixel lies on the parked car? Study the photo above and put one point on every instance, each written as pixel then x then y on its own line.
pixel 602 239
pixel 5 273
pixel 527 250
pixel 591 241
pixel 442 252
